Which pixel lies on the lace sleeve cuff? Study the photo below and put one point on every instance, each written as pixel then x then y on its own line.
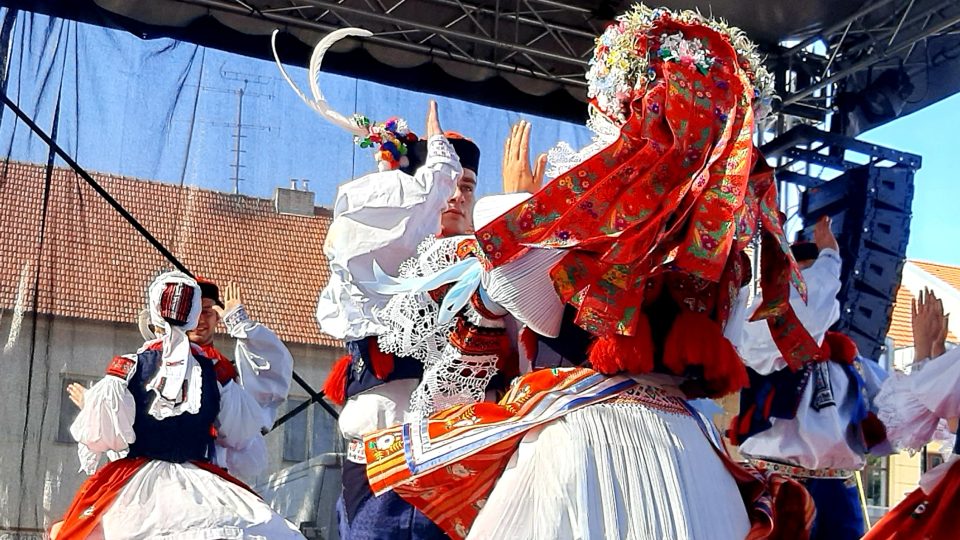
pixel 909 424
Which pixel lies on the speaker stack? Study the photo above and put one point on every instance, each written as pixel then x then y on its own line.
pixel 870 208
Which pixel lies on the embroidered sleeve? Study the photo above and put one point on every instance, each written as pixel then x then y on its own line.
pixel 911 406
pixel 123 367
pixel 380 217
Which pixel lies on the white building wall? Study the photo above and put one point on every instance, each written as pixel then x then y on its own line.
pixel 38 474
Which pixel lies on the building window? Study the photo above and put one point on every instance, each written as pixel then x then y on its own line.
pixel 310 433
pixel 875 477
pixel 69 411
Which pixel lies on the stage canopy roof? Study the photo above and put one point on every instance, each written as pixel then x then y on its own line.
pixel 530 55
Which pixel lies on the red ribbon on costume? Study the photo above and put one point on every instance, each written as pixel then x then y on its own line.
pixel 222 365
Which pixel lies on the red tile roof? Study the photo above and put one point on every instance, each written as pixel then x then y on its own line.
pixel 901 329
pixel 94 265
pixel 948 274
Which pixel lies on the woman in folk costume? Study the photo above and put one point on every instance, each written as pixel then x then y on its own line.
pixel 164 407
pixel 423 190
pixel 642 241
pixel 911 406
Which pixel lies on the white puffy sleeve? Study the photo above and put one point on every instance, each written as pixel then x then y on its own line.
pixel 238 430
pixel 911 406
pixel 263 361
pixel 380 217
pixel 817 315
pixel 105 422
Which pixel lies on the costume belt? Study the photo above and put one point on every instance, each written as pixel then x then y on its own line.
pixel 795 471
pixel 355 452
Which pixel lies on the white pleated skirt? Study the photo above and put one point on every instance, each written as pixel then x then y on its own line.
pixel 184 502
pixel 615 471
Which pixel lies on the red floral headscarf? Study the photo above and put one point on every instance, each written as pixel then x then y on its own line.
pixel 681 192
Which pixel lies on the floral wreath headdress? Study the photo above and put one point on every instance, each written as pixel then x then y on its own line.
pixel 391 138
pixel 620 69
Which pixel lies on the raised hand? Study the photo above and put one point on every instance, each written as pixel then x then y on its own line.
pixel 823 235
pixel 433 120
pixel 75 392
pixel 517 173
pixel 929 325
pixel 231 298
pixel 940 343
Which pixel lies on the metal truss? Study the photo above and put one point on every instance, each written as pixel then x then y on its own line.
pixel 543 39
pixel 881 33
pixel 552 41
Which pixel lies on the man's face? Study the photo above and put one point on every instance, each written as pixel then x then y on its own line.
pixel 203 333
pixel 458 216
pixel 803 265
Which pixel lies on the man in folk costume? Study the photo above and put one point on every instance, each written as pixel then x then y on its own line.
pixel 633 257
pixel 911 407
pixel 164 408
pixel 818 423
pixel 424 190
pixel 263 369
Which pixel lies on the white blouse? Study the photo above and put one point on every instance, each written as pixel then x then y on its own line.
pixel 380 217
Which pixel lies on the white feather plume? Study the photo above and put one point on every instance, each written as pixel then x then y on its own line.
pixel 319 103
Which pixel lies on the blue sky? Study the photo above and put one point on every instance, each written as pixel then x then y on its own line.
pixel 931 133
pixel 167 111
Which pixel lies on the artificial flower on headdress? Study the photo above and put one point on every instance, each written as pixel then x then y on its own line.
pixel 392 137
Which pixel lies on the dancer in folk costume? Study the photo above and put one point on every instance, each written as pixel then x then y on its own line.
pixel 630 262
pixel 911 406
pixel 164 407
pixel 263 369
pixel 424 190
pixel 816 424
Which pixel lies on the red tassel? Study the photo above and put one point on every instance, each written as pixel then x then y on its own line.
pixel 740 425
pixel 874 432
pixel 630 354
pixel 841 347
pixel 380 362
pixel 508 361
pixel 335 387
pixel 529 344
pixel 694 339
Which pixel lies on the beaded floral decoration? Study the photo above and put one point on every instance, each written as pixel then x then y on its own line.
pixel 617 72
pixel 392 137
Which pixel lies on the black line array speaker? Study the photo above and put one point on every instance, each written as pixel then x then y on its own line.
pixel 870 208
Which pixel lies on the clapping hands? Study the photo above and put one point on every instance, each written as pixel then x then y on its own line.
pixel 930 325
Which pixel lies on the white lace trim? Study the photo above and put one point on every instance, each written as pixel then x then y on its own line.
pixel 449 377
pixel 562 157
pixel 454 380
pixel 909 424
pixel 411 318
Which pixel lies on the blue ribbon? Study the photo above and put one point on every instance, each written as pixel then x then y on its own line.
pixel 465 275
